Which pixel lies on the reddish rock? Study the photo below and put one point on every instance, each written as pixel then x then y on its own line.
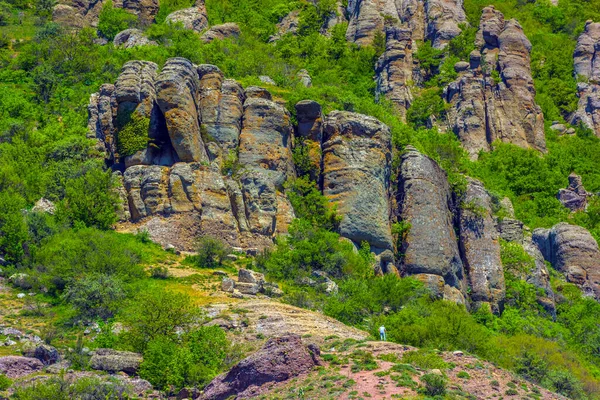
pixel 17 367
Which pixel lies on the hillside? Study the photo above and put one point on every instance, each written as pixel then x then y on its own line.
pixel 228 199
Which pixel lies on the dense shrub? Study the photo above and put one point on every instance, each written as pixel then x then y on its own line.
pixel 58 388
pixel 211 252
pixel 96 296
pixel 112 20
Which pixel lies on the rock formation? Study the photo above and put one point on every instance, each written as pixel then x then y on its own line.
pixel 573 251
pixel 574 197
pixel 487 107
pixel 17 367
pixel 430 247
pixel 434 20
pixel 480 247
pixel 310 134
pixel 356 176
pixel 220 32
pixel 395 69
pixel 587 68
pixel 79 14
pixel 132 38
pixel 280 359
pixel 193 18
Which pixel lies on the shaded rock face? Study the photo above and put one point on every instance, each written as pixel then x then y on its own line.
pixel 220 32
pixel 193 18
pixel 483 108
pixel 540 277
pixel 79 14
pixel 395 69
pixel 480 247
pixel 309 133
pixel 434 20
pixel 573 251
pixel 430 247
pixel 574 197
pixel 280 359
pixel 356 176
pixel 587 67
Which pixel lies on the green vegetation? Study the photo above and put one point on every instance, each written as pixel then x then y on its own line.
pixel 112 20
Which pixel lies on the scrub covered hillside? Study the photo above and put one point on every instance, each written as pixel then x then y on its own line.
pixel 382 164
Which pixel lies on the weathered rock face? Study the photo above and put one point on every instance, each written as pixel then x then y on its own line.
pixel 587 67
pixel 266 137
pixel 79 14
pixel 280 359
pixel 356 176
pixel 132 38
pixel 115 361
pixel 574 197
pixel 480 247
pixel 193 18
pixel 177 94
pixel 434 20
pixel 483 108
pixel 395 69
pixel 430 247
pixel 220 32
pixel 573 251
pixel 288 24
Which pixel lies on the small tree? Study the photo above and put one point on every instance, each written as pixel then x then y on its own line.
pixel 114 20
pixel 96 296
pixel 211 252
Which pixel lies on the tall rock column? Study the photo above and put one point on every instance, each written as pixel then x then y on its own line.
pixel 177 93
pixel 394 69
pixel 356 176
pixel 430 246
pixel 443 18
pixel 480 247
pixel 484 107
pixel 587 67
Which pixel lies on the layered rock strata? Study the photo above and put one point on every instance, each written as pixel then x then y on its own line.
pixel 494 97
pixel 79 14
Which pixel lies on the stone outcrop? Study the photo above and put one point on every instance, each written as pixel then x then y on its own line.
pixel 539 277
pixel 115 361
pixel 430 246
pixel 434 20
pixel 480 247
pixel 79 14
pixel 280 359
pixel 574 197
pixel 573 251
pixel 287 24
pixel 587 68
pixel 220 32
pixel 130 38
pixel 485 108
pixel 17 367
pixel 310 134
pixel 356 176
pixel 395 69
pixel 250 283
pixel 193 18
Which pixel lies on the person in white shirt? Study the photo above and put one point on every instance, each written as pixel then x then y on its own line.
pixel 382 333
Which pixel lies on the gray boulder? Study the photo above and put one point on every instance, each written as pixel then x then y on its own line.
pixel 130 38
pixel 115 361
pixel 220 32
pixel 193 18
pixel 17 367
pixel 574 197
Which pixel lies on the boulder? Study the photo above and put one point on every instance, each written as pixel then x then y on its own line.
pixel 47 354
pixel 280 359
pixel 130 38
pixel 193 18
pixel 248 276
pixel 227 285
pixel 267 80
pixel 220 32
pixel 425 201
pixel 248 288
pixel 480 247
pixel 115 361
pixel 573 251
pixel 44 206
pixel 304 78
pixel 395 69
pixel 17 367
pixel 574 197
pixel 287 24
pixel 356 176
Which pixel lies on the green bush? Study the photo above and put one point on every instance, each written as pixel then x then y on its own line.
pixel 5 382
pixel 133 136
pixel 435 385
pixel 96 296
pixel 58 388
pixel 211 252
pixel 157 314
pixel 424 359
pixel 112 20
